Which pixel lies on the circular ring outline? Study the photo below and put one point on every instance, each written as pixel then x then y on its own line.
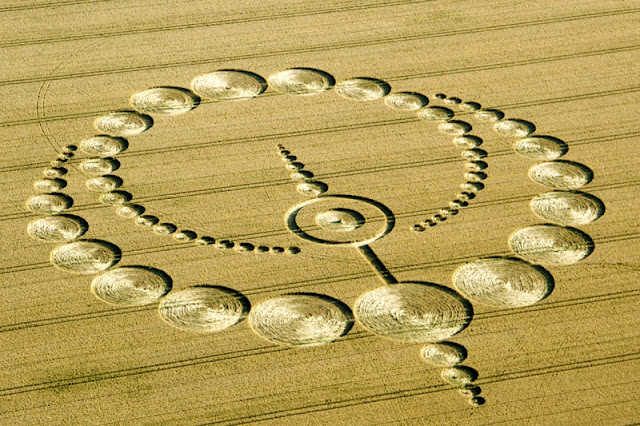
pixel 290 219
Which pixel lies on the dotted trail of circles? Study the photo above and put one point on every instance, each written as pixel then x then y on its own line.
pixel 504 282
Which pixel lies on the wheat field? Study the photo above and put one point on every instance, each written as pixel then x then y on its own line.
pixel 411 212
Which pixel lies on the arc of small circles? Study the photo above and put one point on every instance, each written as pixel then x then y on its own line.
pixel 503 282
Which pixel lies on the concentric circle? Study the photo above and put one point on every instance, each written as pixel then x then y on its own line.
pixel 340 220
pixel 413 312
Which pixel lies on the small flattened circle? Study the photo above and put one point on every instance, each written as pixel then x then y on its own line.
pixel 205 309
pixel 470 106
pixel 130 211
pixel 229 85
pixel 435 113
pixel 301 175
pixel 165 228
pixel 413 312
pixel 104 146
pixel 567 208
pixel 340 220
pixel 185 236
pixel 100 166
pixel 49 185
pixel 49 203
pixel 551 244
pixel 543 148
pixel 115 198
pixel 467 141
pixel 131 286
pixel 146 220
pixel 445 354
pixel 454 127
pixel 503 282
pixel 301 320
pixel 312 189
pixel 106 183
pixel 123 123
pixel 514 128
pixel 54 172
pixel 301 81
pixel 406 101
pixel 561 174
pixel 164 101
pixel 460 376
pixel 489 115
pixel 60 228
pixel 363 89
pixel 85 257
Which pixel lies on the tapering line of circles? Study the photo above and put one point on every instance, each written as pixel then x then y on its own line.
pixel 307 185
pixel 103 163
pixel 430 313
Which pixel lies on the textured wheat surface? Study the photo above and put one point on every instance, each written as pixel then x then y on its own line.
pixel 570 68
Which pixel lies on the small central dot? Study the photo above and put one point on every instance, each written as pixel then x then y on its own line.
pixel 340 220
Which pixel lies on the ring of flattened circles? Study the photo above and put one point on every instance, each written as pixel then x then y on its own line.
pixel 409 312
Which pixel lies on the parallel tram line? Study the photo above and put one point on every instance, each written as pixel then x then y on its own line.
pixel 343 45
pixel 151 250
pixel 626 294
pixel 267 350
pixel 315 407
pixel 50 5
pixel 220 22
pixel 423 390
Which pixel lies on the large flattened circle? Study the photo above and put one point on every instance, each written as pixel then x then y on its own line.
pixel 301 319
pixel 85 257
pixel 206 309
pixel 503 282
pixel 413 312
pixel 551 244
pixel 303 220
pixel 131 286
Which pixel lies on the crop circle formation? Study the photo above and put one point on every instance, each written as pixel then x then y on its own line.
pixel 410 312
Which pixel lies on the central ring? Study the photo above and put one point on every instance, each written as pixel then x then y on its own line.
pixel 340 220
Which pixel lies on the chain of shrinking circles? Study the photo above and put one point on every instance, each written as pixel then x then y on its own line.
pixel 108 185
pixel 52 184
pixel 474 165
